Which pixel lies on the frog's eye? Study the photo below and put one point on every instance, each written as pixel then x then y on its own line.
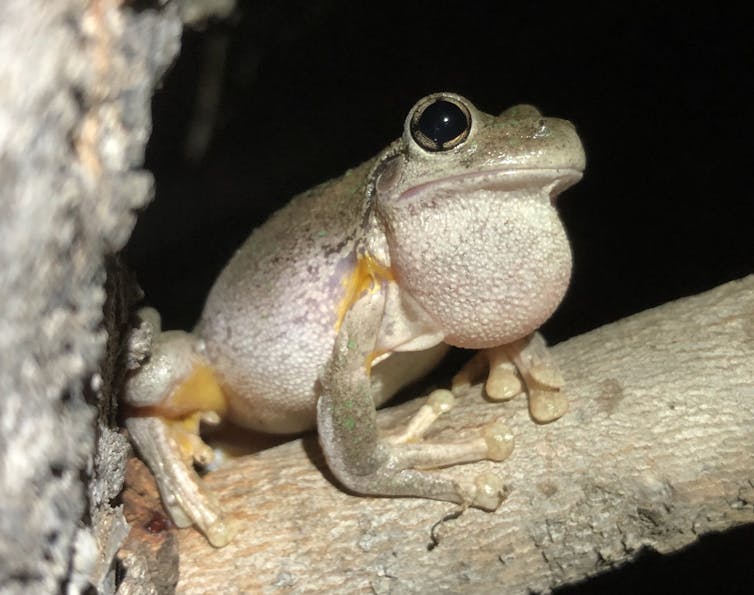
pixel 440 123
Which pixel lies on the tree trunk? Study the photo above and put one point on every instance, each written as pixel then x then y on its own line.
pixel 76 81
pixel 657 449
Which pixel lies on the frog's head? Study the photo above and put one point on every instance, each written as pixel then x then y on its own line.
pixel 466 202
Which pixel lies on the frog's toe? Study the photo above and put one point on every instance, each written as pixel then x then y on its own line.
pixel 404 470
pixel 541 376
pixel 493 443
pixel 503 383
pixel 547 405
pixel 487 492
pixel 546 375
pixel 404 473
pixel 499 441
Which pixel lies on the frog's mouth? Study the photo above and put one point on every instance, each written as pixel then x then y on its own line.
pixel 550 181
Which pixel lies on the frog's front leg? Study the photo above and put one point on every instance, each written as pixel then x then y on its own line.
pixel 367 464
pixel 168 397
pixel 522 366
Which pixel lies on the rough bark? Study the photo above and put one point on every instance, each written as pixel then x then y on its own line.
pixel 657 449
pixel 76 80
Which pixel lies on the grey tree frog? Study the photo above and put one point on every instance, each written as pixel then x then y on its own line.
pixel 356 288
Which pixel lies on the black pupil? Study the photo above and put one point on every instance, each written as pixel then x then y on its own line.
pixel 442 121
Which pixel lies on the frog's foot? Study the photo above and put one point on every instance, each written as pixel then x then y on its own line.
pixel 493 443
pixel 169 396
pixel 406 451
pixel 522 366
pixel 399 468
pixel 169 450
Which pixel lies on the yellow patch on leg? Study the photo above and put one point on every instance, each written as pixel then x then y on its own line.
pixel 197 398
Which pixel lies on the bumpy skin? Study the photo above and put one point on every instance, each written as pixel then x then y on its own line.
pixel 356 288
pixel 269 321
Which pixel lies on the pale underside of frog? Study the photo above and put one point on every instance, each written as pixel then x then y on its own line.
pixel 355 289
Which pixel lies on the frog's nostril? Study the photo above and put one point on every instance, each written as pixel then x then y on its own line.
pixel 440 124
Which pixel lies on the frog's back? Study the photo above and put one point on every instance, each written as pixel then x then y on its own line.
pixel 269 321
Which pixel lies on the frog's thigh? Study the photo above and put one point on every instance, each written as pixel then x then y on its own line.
pixel 170 395
pixel 522 366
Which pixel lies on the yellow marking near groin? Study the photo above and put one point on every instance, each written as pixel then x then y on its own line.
pixel 367 275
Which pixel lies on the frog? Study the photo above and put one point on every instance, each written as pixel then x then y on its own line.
pixel 449 237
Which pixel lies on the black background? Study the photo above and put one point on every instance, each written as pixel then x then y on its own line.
pixel 661 97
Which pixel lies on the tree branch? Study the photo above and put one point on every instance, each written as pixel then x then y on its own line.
pixel 657 449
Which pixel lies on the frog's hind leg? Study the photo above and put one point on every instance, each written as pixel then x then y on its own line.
pixel 370 464
pixel 167 398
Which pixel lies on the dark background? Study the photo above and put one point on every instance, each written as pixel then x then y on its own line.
pixel 661 97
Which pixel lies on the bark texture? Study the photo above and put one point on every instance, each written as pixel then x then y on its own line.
pixel 76 80
pixel 657 449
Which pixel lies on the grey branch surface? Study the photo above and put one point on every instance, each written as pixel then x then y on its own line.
pixel 657 449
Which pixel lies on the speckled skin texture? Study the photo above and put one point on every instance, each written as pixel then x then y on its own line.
pixel 269 321
pixel 461 281
pixel 357 287
pixel 486 265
